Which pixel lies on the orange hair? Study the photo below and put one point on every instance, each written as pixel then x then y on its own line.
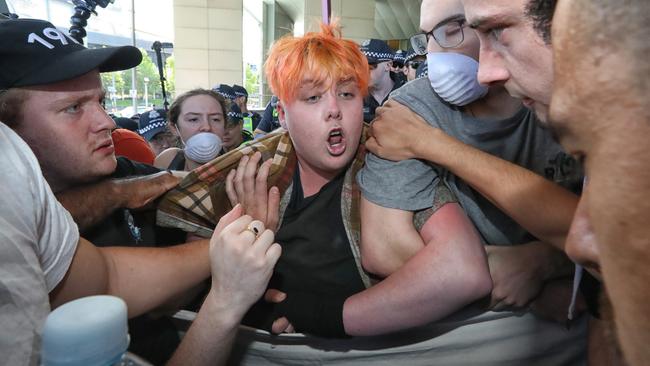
pixel 321 57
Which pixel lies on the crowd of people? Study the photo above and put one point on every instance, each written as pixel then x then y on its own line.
pixel 475 199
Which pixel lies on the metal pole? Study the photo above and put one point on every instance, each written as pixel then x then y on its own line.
pixel 134 92
pixel 146 92
pixel 326 10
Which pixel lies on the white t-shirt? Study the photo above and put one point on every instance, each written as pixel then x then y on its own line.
pixel 38 239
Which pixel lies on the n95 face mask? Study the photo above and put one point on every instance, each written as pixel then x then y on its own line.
pixel 453 77
pixel 202 147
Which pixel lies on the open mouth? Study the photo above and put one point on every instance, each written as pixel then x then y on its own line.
pixel 336 142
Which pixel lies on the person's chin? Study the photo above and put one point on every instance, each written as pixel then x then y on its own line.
pixel 106 166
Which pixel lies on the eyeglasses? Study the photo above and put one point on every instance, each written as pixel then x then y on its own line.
pixel 414 64
pixel 447 34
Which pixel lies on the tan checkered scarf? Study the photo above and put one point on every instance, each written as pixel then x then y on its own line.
pixel 199 201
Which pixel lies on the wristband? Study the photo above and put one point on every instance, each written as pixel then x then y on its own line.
pixel 313 313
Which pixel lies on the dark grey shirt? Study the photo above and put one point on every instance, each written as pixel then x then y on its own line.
pixel 409 184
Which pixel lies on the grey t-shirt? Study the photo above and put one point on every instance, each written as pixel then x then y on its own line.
pixel 409 184
pixel 38 239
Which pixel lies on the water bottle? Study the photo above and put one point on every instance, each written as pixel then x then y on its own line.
pixel 91 331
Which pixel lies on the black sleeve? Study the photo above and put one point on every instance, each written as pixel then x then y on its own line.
pixel 127 168
pixel 266 124
pixel 256 120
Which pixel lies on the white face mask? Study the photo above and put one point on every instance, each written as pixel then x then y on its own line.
pixel 453 77
pixel 202 147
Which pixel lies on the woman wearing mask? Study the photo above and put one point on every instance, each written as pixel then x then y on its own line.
pixel 198 118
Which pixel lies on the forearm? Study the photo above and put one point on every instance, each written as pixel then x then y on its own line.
pixel 162 272
pixel 92 203
pixel 448 273
pixel 210 338
pixel 521 194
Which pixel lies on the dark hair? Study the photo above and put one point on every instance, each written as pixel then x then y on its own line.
pixel 175 108
pixel 540 13
pixel 11 103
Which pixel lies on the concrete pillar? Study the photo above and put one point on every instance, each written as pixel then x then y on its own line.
pixel 357 18
pixel 207 43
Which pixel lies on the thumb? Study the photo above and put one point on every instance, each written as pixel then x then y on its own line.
pixel 164 180
pixel 274 296
pixel 228 218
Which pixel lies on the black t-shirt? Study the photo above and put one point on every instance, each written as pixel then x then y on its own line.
pixel 316 254
pixel 126 227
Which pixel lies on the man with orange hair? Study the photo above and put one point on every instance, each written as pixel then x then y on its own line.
pixel 321 80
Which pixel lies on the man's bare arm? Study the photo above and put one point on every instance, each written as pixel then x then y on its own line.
pixel 520 193
pixel 144 277
pixel 91 203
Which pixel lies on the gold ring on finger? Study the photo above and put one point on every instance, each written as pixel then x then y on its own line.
pixel 255 228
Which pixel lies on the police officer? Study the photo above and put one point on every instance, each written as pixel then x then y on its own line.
pixel 399 67
pixel 380 60
pixel 234 134
pixel 269 120
pixel 251 119
pixel 413 62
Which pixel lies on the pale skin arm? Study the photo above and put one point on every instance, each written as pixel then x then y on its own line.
pixel 91 203
pixel 448 273
pixel 388 238
pixel 520 193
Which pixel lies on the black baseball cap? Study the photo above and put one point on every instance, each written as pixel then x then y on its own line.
pixel 35 52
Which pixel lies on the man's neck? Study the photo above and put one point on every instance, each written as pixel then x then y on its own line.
pixel 382 90
pixel 497 104
pixel 57 185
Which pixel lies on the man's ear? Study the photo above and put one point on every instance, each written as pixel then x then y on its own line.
pixel 281 115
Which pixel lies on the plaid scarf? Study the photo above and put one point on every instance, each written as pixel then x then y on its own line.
pixel 200 199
